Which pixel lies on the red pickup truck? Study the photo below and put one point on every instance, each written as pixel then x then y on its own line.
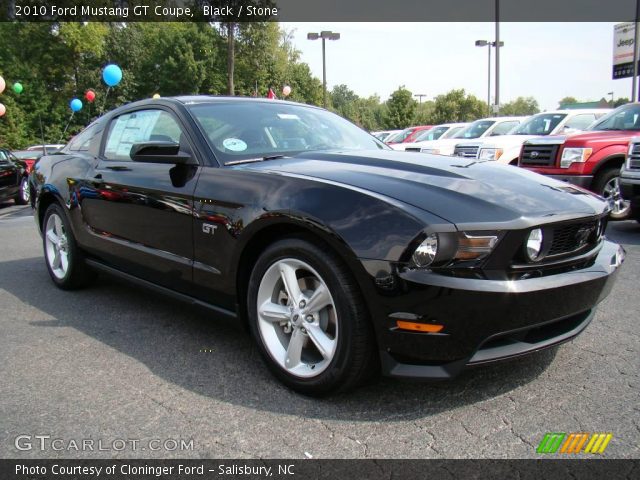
pixel 591 159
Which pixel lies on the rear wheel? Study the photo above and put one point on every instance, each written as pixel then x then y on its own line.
pixel 309 320
pixel 23 196
pixel 607 185
pixel 65 261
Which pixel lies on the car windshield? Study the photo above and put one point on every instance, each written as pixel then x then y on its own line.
pixel 246 130
pixel 542 124
pixel 475 130
pixel 453 131
pixel 626 117
pixel 399 137
pixel 432 134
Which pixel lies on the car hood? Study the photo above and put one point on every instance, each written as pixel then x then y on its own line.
pixel 604 136
pixel 499 141
pixel 444 142
pixel 463 192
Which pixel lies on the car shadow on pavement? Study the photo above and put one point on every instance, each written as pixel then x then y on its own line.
pixel 626 233
pixel 214 357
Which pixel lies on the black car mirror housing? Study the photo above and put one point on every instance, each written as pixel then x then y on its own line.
pixel 160 152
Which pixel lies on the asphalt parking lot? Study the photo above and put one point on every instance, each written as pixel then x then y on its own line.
pixel 116 362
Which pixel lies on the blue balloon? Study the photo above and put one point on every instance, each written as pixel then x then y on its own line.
pixel 76 104
pixel 112 75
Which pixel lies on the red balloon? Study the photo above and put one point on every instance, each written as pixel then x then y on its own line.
pixel 90 95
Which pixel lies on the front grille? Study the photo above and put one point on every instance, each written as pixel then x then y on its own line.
pixel 538 155
pixel 633 163
pixel 569 238
pixel 466 151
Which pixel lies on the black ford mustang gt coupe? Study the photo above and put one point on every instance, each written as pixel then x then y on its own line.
pixel 342 256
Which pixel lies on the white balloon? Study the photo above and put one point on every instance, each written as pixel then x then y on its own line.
pixel 286 90
pixel 3 109
pixel 2 85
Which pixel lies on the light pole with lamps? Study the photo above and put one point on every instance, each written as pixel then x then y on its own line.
pixel 324 35
pixel 489 44
pixel 420 96
pixel 611 93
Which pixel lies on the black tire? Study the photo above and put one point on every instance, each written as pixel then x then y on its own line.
pixel 355 359
pixel 77 274
pixel 22 198
pixel 601 181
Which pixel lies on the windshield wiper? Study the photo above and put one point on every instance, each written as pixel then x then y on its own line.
pixel 253 160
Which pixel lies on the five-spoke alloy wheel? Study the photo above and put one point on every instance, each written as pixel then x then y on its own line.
pixel 65 261
pixel 307 315
pixel 297 318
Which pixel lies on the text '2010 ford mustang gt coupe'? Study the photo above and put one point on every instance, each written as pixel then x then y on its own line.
pixel 343 257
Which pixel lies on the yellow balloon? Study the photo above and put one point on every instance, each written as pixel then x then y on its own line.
pixel 156 95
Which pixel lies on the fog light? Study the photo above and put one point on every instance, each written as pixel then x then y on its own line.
pixel 534 245
pixel 426 252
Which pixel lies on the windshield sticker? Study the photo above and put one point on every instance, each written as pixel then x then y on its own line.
pixel 288 116
pixel 234 144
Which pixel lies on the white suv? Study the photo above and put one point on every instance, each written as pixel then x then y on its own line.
pixel 506 148
pixel 485 127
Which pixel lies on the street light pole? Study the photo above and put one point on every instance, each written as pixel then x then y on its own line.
pixel 420 96
pixel 324 74
pixel 324 35
pixel 488 44
pixel 497 44
pixel 489 78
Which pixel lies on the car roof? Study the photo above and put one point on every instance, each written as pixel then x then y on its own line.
pixel 495 119
pixel 578 111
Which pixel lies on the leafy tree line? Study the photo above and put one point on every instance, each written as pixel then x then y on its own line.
pixel 402 110
pixel 57 62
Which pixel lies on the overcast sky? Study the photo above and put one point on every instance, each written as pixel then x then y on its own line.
pixel 545 60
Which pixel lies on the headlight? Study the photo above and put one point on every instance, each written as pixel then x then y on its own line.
pixel 426 252
pixel 490 153
pixel 433 151
pixel 574 155
pixel 533 247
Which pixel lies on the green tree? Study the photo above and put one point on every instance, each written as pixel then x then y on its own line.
pixel 620 101
pixel 520 106
pixel 401 109
pixel 457 106
pixel 567 100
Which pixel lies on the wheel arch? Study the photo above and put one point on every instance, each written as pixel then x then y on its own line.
pixel 268 232
pixel 616 161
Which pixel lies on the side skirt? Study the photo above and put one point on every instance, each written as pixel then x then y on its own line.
pixel 158 288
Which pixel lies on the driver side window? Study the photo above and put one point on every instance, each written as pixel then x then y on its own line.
pixel 139 127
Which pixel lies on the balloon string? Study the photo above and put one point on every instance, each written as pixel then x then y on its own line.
pixel 104 104
pixel 65 128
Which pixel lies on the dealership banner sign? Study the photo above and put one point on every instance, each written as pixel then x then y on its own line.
pixel 623 40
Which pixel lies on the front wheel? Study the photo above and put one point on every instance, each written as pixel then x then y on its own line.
pixel 24 195
pixel 65 261
pixel 309 319
pixel 607 185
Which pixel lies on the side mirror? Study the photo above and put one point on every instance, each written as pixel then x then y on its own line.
pixel 160 152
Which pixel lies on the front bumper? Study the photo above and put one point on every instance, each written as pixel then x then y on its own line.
pixel 630 189
pixel 583 181
pixel 486 320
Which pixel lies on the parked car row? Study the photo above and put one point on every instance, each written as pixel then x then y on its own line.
pixel 596 149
